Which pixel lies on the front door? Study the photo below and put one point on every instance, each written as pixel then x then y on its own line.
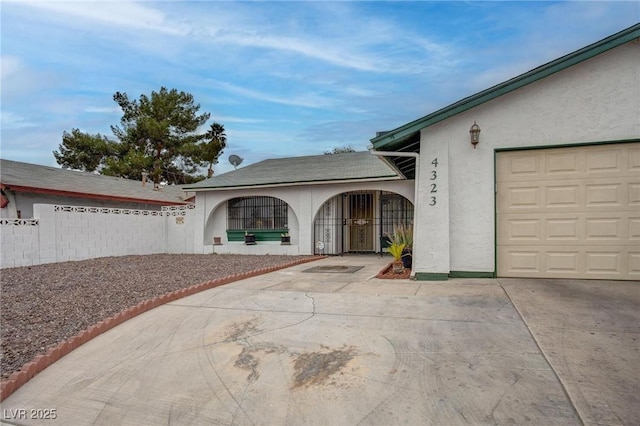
pixel 361 222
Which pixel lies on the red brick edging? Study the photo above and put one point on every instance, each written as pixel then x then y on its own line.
pixel 40 362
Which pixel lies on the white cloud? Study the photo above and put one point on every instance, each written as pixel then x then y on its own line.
pixel 12 121
pixel 307 100
pixel 229 119
pixel 11 65
pixel 123 14
pixel 331 33
pixel 101 110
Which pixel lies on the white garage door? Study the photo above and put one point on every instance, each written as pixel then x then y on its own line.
pixel 569 212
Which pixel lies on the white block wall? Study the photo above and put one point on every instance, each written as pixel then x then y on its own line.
pixel 68 233
pixel 19 242
pixel 179 228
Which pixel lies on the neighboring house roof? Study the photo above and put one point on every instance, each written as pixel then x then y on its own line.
pixel 353 166
pixel 26 177
pixel 407 137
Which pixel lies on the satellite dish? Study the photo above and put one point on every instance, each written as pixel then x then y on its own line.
pixel 235 160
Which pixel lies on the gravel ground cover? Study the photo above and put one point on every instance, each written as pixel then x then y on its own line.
pixel 44 305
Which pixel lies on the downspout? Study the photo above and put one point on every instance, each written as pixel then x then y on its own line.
pixel 415 191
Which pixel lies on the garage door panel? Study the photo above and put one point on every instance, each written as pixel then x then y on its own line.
pixel 564 163
pixel 523 229
pixel 605 160
pixel 599 195
pixel 563 196
pixel 600 229
pixel 563 262
pixel 570 262
pixel 598 262
pixel 521 167
pixel 565 230
pixel 634 229
pixel 584 229
pixel 569 212
pixel 523 261
pixel 633 190
pixel 633 156
pixel 634 265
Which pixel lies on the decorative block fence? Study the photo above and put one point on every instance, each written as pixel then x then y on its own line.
pixel 65 233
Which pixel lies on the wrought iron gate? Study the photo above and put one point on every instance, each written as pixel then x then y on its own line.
pixel 357 222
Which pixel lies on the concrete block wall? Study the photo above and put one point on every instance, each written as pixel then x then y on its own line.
pixel 179 226
pixel 19 242
pixel 68 233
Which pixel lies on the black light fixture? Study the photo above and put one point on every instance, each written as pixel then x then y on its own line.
pixel 475 134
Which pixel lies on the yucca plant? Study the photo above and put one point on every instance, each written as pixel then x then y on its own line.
pixel 396 250
pixel 402 234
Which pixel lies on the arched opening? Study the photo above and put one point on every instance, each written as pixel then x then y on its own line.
pixel 267 218
pixel 358 222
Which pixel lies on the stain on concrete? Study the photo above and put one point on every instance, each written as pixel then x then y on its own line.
pixel 249 358
pixel 241 330
pixel 316 368
pixel 247 361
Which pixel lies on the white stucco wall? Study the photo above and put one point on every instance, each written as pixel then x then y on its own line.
pixel 594 101
pixel 304 202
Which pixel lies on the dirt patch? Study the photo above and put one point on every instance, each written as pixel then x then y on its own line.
pixel 316 368
pixel 387 273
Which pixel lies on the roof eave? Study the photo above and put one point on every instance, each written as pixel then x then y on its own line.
pixel 19 188
pixel 286 184
pixel 402 133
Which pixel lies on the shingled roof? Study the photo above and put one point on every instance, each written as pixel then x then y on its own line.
pixel 26 177
pixel 353 166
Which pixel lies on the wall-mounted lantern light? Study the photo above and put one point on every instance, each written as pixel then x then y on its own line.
pixel 475 134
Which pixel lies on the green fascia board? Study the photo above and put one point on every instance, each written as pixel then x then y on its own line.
pixel 565 145
pixel 471 274
pixel 261 234
pixel 401 133
pixel 428 276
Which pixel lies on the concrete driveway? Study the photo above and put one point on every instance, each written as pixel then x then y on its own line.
pixel 342 348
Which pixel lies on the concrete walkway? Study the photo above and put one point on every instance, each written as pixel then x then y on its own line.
pixel 343 348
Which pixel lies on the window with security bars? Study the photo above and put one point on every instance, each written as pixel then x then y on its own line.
pixel 256 213
pixel 394 210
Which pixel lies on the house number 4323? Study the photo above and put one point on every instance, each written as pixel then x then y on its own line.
pixel 433 197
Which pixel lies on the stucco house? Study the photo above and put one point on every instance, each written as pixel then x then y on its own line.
pixel 25 184
pixel 552 188
pixel 328 204
pixel 538 176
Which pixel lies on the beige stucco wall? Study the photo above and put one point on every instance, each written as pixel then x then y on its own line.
pixel 304 202
pixel 595 101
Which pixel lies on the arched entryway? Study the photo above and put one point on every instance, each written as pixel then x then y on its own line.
pixel 358 221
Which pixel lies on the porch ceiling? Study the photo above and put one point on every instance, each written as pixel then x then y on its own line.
pixel 406 165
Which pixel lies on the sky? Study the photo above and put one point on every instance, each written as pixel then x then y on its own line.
pixel 284 78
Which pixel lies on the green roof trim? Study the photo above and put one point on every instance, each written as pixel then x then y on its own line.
pixel 396 137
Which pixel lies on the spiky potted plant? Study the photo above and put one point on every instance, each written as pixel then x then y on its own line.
pixel 249 239
pixel 403 235
pixel 285 239
pixel 395 250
